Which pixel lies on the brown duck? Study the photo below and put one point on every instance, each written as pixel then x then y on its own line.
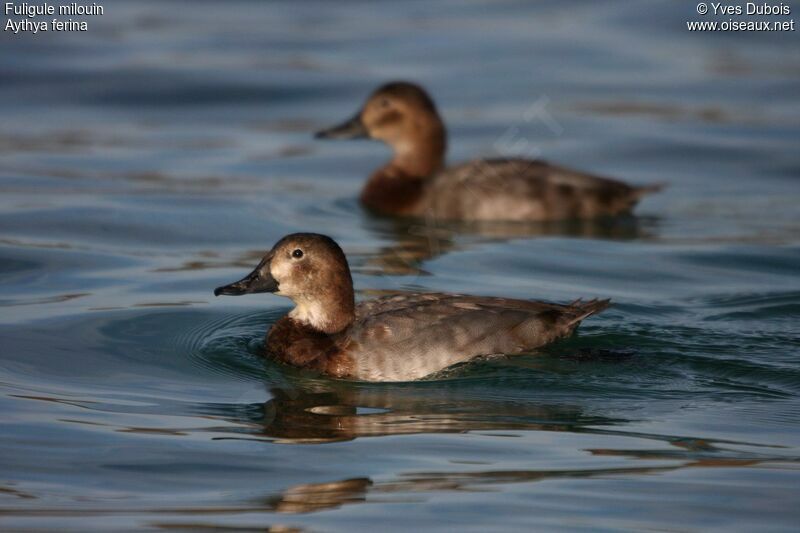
pixel 393 338
pixel 416 183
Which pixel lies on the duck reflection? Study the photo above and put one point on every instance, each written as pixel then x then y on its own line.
pixel 295 416
pixel 313 497
pixel 415 241
pixel 312 412
pixel 347 412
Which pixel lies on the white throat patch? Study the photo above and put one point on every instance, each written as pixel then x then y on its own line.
pixel 312 314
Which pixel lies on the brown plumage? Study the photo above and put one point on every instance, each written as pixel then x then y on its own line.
pixel 395 338
pixel 416 183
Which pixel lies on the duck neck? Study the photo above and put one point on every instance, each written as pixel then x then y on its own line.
pixel 397 188
pixel 422 155
pixel 330 314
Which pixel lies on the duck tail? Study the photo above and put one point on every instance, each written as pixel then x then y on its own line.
pixel 585 309
pixel 644 190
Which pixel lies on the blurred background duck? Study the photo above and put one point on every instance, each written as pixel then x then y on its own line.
pixel 415 182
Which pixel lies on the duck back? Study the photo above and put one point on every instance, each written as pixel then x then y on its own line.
pixel 410 336
pixel 525 190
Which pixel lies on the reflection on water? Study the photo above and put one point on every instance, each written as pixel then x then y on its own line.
pixel 311 498
pixel 417 241
pixel 297 417
pixel 319 411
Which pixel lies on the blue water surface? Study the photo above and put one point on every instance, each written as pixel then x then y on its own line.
pixel 160 153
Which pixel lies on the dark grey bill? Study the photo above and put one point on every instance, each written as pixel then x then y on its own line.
pixel 350 129
pixel 254 282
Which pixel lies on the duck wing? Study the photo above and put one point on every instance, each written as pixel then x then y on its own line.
pixel 527 190
pixel 409 336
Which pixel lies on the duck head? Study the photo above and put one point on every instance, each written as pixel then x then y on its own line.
pixel 312 271
pixel 402 115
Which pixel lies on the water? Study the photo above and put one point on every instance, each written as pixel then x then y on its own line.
pixel 155 157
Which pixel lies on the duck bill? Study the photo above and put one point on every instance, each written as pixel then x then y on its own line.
pixel 350 129
pixel 255 282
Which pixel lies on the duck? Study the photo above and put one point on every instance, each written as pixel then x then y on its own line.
pixel 416 183
pixel 397 337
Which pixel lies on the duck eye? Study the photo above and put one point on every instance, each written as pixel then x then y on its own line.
pixel 385 102
pixel 297 254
